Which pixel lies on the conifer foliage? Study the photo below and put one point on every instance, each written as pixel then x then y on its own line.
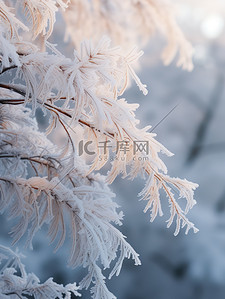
pixel 43 182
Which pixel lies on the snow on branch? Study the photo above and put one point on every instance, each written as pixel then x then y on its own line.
pixel 37 201
pixel 14 280
pixel 42 15
pixel 143 19
pixel 66 193
pixel 10 22
pixel 89 86
pixel 42 182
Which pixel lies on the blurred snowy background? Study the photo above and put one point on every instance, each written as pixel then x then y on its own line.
pixel 192 266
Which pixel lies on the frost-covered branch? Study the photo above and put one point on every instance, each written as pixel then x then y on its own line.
pixel 14 280
pixel 47 182
pixel 143 19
